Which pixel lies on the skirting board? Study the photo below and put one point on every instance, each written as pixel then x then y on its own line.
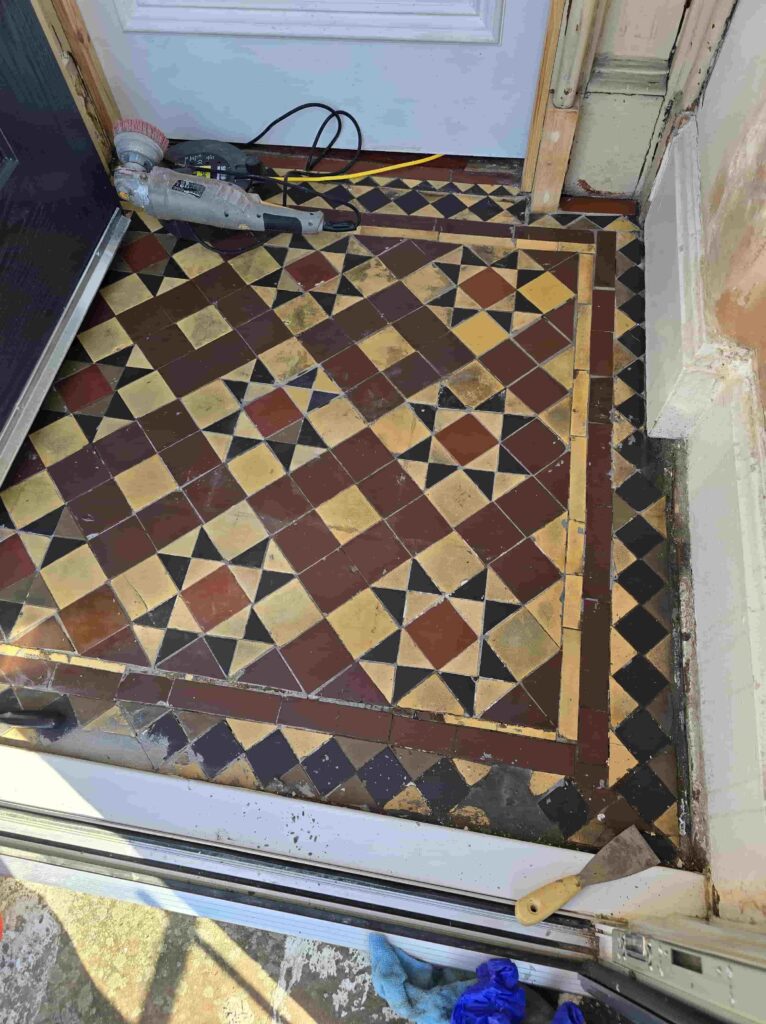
pixel 415 853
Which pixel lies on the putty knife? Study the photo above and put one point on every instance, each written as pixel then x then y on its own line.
pixel 624 855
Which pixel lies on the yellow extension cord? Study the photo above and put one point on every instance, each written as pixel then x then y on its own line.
pixel 361 174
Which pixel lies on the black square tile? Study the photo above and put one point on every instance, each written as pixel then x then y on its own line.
pixel 328 767
pixel 641 680
pixel 644 791
pixel 640 581
pixel 167 731
pixel 384 776
pixel 565 807
pixel 216 748
pixel 641 735
pixel 641 629
pixel 271 758
pixel 442 785
pixel 639 492
pixel 639 537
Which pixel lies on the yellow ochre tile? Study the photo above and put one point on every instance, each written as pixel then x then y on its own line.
pixel 235 530
pixel 572 602
pixel 196 260
pixel 348 514
pixel 337 420
pixel 547 609
pixel 146 482
pixel 126 293
pixel 522 643
pixel 577 478
pixel 457 497
pixel 582 338
pixel 204 326
pixel 361 623
pixel 104 339
pixel 146 394
pixel 144 586
pixel 386 347
pixel 210 403
pixel 569 696
pixel 432 695
pixel 575 558
pixel 31 499
pixel 585 278
pixel 480 333
pixel 473 384
pixel 73 576
pixel 546 292
pixel 370 277
pixel 287 360
pixel 301 313
pixel 59 439
pixel 253 265
pixel 256 469
pixel 428 282
pixel 558 418
pixel 580 394
pixel 450 562
pixel 288 612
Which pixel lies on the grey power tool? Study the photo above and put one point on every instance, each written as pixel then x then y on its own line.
pixel 169 194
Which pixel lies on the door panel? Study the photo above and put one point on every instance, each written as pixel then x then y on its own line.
pixel 436 96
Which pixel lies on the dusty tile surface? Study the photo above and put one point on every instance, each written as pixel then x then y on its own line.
pixel 369 519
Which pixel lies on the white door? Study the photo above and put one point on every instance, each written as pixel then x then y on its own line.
pixel 454 76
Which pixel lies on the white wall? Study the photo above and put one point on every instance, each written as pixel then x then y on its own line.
pixel 472 99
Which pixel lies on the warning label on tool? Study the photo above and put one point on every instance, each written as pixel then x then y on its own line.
pixel 191 188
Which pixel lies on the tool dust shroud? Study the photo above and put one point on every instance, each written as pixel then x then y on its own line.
pixel 213 183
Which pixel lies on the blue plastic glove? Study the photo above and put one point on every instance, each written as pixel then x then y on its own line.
pixel 496 998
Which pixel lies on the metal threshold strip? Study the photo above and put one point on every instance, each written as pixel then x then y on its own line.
pixel 266 892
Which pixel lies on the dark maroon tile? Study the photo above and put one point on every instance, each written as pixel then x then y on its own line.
pixel 333 581
pixel 420 327
pixel 523 751
pixel 144 319
pixel 538 390
pixel 556 478
pixel 92 618
pixel 194 659
pixel 404 258
pixel 390 489
pixel 597 579
pixel 564 317
pixel 419 525
pixel 264 332
pixel 182 301
pixel 79 473
pixel 604 267
pixel 26 464
pixel 121 646
pixel 600 402
pixel 395 302
pixel 359 723
pixel 215 597
pixel 144 688
pixel 124 448
pixel 599 481
pixel 272 671
pixel 541 340
pixel 526 570
pixel 602 316
pixel 594 664
pixel 466 439
pixel 15 563
pixel 167 425
pixel 487 287
pixel 168 519
pixel 306 541
pixel 350 367
pixel 83 387
pixel 375 552
pixel 354 685
pixel 362 454
pixel 240 306
pixel 142 252
pixel 411 374
pixel 122 547
pixel 224 700
pixel 441 634
pixel 359 320
pixel 535 446
pixel 218 282
pixel 316 656
pixel 446 352
pixel 279 504
pixel 593 737
pixel 97 510
pixel 86 682
pixel 273 411
pixel 556 234
pixel 325 339
pixel 213 493
pixel 507 362
pixel 601 353
pixel 594 204
pixel 517 708
pixel 544 686
pixel 98 313
pixel 322 478
pixel 311 270
pixel 375 397
pixel 163 346
pixel 529 506
pixel 207 364
pixel 489 532
pixel 420 734
pixel 190 458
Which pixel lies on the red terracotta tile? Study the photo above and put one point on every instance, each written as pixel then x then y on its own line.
pixel 26 464
pixel 279 504
pixel 535 446
pixel 487 287
pixel 273 411
pixel 526 570
pixel 362 454
pixel 224 700
pixel 309 714
pixel 271 670
pixel 322 478
pixel 306 541
pixel 25 672
pixel 389 489
pixel 15 563
pixel 600 402
pixel 538 390
pixel 167 425
pixel 541 340
pixel 47 635
pixel 363 724
pixel 524 751
pixel 190 458
pixel 544 686
pixel 576 235
pixel 593 737
pixel 333 581
pixel 215 597
pixel 604 265
pixel 350 367
pixel 594 666
pixel 142 252
pixel 517 708
pixel 122 546
pixel 489 532
pixel 241 306
pixel 597 580
pixel 312 270
pixel 94 617
pixel 97 510
pixel 144 688
pixel 419 734
pixel 375 552
pixel 124 448
pixel 375 397
pixel 441 634
pixel 86 682
pixel 98 313
pixel 316 656
pixel 213 493
pixel 83 387
pixel 594 204
pixel 419 525
pixel 466 439
pixel 507 362
pixel 168 519
pixel 446 352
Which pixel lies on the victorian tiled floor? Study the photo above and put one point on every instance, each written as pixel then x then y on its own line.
pixel 367 518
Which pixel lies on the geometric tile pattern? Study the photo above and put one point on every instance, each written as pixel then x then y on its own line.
pixel 334 518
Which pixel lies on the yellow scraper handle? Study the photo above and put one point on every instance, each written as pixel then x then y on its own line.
pixel 546 900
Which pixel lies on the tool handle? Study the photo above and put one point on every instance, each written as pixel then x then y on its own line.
pixel 546 900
